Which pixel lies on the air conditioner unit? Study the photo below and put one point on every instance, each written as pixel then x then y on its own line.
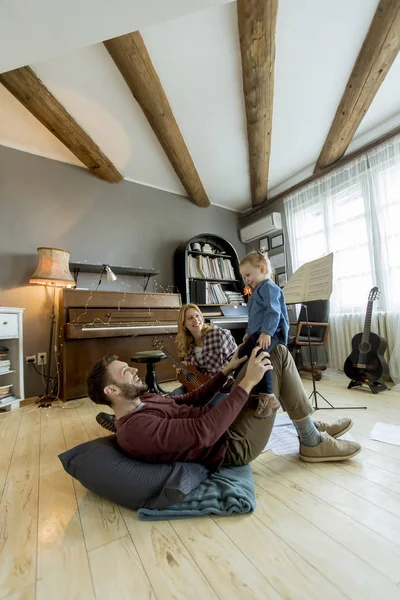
pixel 264 226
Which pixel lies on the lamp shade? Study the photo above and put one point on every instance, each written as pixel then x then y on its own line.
pixel 53 268
pixel 110 275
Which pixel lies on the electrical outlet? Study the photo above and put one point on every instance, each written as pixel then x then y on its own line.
pixel 30 359
pixel 42 358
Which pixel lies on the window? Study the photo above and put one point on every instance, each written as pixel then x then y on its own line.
pixel 354 213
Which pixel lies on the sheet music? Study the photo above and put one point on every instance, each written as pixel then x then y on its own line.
pixel 312 281
pixel 383 432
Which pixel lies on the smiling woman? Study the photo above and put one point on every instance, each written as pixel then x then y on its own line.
pixel 207 347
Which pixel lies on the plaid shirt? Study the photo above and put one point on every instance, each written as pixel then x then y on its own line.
pixel 218 347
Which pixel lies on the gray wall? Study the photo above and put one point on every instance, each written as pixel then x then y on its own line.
pixel 48 203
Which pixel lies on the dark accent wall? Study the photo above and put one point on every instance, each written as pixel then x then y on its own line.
pixel 49 203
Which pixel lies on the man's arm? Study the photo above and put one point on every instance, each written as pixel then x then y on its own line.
pixel 163 436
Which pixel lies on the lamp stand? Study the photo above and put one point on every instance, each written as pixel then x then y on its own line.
pixel 47 398
pixel 315 393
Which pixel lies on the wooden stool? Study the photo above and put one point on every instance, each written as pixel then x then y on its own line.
pixel 150 358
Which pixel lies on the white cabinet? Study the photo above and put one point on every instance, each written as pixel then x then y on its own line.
pixel 11 336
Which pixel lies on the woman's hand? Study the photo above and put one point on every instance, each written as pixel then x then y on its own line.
pixel 234 363
pixel 264 341
pixel 179 371
pixel 246 335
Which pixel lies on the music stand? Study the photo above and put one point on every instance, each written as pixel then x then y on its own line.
pixel 313 281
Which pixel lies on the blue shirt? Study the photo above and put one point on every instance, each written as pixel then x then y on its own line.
pixel 267 311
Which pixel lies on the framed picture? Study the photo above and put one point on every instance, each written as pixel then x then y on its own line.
pixel 277 241
pixel 277 261
pixel 264 244
pixel 281 279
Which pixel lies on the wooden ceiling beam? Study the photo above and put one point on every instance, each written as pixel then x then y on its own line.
pixel 26 87
pixel 376 56
pixel 133 61
pixel 257 23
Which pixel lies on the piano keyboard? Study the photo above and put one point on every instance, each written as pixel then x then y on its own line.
pixel 118 326
pixel 93 330
pixel 226 322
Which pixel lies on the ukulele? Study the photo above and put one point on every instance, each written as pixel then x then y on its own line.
pixel 188 375
pixel 366 363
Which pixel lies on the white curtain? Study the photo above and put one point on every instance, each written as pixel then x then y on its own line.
pixel 354 212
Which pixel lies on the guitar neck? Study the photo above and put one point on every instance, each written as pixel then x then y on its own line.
pixel 172 358
pixel 174 361
pixel 367 322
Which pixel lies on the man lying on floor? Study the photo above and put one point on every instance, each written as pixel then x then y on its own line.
pixel 163 429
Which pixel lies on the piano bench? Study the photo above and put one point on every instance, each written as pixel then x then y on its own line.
pixel 150 358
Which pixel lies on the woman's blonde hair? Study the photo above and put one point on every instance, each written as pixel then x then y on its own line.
pixel 258 258
pixel 184 338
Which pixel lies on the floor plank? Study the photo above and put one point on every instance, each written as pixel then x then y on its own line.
pixel 358 508
pixel 52 441
pixel 63 567
pixel 287 571
pixel 101 520
pixel 169 566
pixel 342 568
pixel 28 593
pixel 362 487
pixel 18 510
pixel 9 427
pixel 118 572
pixel 228 570
pixel 377 475
pixel 376 551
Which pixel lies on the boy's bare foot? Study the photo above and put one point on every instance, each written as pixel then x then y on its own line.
pixel 267 404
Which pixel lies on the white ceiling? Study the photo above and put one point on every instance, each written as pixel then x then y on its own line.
pixel 198 60
pixel 32 31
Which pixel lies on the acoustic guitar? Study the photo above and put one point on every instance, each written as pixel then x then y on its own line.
pixel 188 375
pixel 366 363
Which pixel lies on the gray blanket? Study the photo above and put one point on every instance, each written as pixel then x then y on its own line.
pixel 229 491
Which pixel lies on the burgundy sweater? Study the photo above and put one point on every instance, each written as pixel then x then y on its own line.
pixel 181 428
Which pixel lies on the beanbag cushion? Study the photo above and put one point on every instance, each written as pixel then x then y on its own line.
pixel 103 468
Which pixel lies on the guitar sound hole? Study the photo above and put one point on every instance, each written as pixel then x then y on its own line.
pixel 190 377
pixel 364 347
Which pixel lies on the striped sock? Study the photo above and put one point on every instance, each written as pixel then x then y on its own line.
pixel 308 433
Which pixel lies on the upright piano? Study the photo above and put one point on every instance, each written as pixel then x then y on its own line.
pixel 93 324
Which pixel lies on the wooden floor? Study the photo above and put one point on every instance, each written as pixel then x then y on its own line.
pixel 319 532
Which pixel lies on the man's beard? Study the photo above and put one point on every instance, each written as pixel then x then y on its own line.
pixel 131 390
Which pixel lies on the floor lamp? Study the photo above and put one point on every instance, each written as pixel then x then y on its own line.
pixel 52 271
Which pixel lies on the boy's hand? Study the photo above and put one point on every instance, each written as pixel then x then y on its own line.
pixel 264 341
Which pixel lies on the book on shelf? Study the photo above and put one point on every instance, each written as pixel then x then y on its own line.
pixel 205 267
pixel 234 297
pixel 206 292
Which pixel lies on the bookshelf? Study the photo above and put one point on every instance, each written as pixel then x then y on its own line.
pixel 196 272
pixel 11 365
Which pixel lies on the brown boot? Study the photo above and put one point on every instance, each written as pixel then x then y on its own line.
pixel 267 404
